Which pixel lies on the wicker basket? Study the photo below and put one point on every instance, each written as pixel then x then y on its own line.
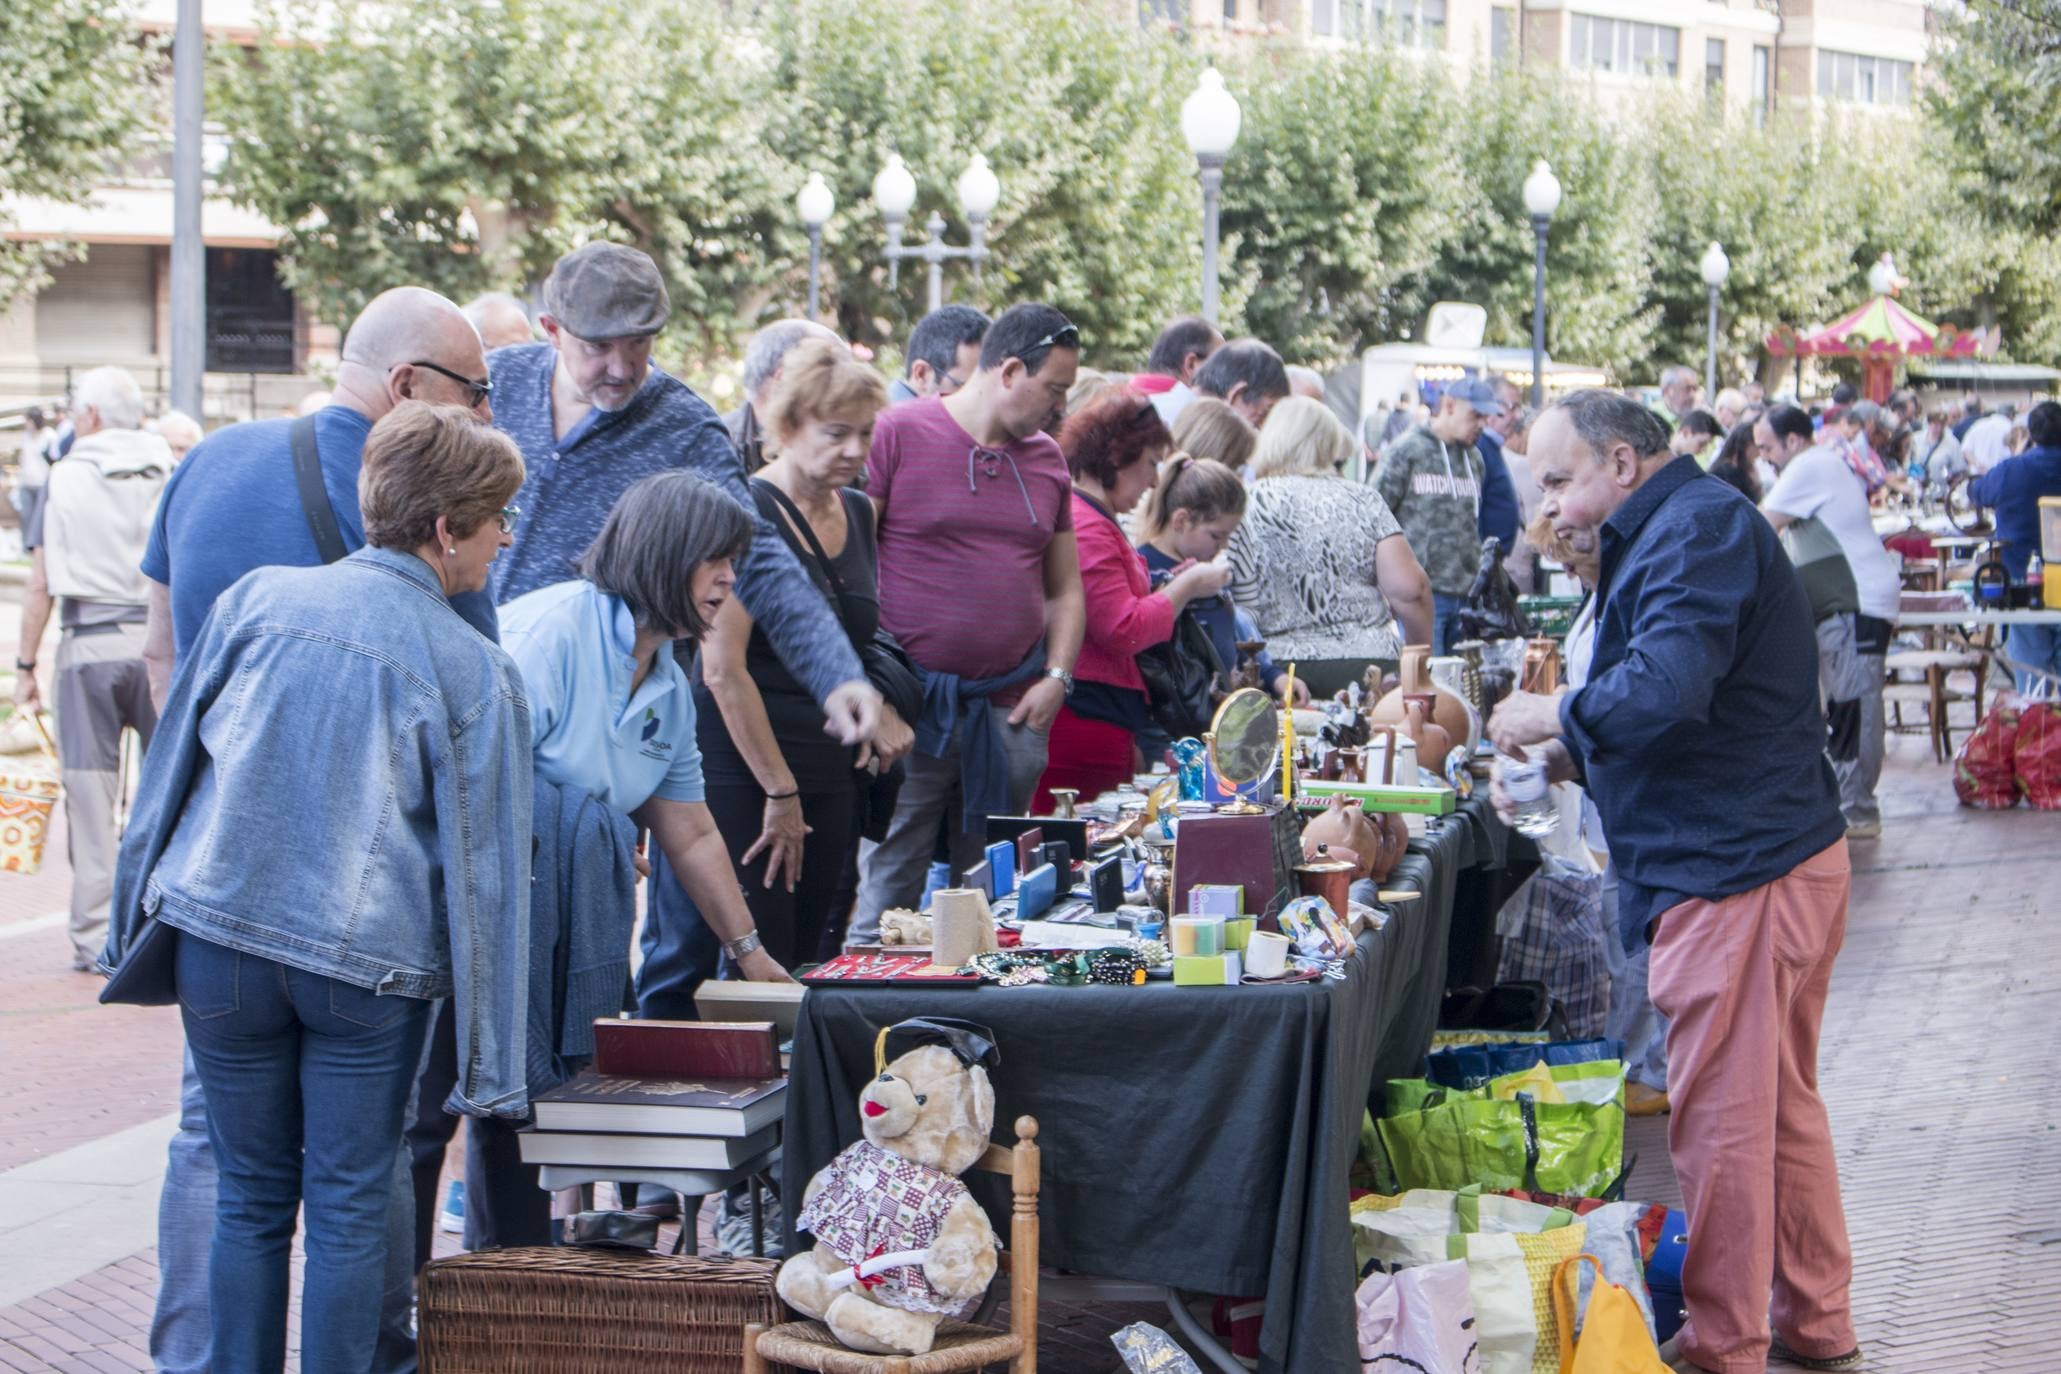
pixel 566 1310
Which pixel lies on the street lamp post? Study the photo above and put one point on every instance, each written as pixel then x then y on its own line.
pixel 1209 121
pixel 1715 267
pixel 1541 199
pixel 894 191
pixel 815 204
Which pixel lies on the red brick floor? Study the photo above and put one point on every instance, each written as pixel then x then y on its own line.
pixel 1939 1063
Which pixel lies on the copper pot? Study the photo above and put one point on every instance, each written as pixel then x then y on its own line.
pixel 1331 879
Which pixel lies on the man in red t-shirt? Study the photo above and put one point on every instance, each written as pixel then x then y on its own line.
pixel 980 582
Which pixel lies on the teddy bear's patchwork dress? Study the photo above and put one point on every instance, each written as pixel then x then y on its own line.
pixel 875 1202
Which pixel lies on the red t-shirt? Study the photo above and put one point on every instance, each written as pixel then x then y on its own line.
pixel 963 533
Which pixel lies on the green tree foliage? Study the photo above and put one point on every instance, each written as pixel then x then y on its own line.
pixel 465 144
pixel 1079 117
pixel 79 89
pixel 1599 271
pixel 1335 221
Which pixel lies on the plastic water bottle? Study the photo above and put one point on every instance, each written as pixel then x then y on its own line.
pixel 1526 783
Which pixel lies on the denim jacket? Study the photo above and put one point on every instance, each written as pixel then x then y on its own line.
pixel 341 782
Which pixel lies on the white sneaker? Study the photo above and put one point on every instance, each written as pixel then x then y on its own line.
pixel 1864 830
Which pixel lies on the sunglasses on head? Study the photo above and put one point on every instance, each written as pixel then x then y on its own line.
pixel 1066 336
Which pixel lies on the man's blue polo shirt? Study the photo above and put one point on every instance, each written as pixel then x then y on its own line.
pixel 575 646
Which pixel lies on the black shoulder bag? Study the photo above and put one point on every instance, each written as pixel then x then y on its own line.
pixel 307 475
pixel 886 664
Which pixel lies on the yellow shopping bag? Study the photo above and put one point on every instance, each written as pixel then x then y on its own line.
pixel 1614 1339
pixel 28 794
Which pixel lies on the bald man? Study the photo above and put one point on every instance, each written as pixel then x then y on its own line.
pixel 763 357
pixel 232 506
pixel 500 319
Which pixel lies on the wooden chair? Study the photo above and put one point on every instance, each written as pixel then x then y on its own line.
pixel 961 1347
pixel 1932 691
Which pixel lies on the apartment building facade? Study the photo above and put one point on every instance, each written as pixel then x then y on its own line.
pixel 1756 54
pixel 113 305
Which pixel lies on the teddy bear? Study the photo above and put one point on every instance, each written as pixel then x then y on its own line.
pixel 899 1241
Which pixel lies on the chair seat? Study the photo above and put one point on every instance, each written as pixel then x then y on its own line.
pixel 1919 660
pixel 959 1349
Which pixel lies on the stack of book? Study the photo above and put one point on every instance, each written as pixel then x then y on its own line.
pixel 682 1095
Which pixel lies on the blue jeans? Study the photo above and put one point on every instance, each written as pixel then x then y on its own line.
pixel 2035 646
pixel 680 951
pixel 1633 1018
pixel 308 1081
pixel 1443 609
pixel 186 1227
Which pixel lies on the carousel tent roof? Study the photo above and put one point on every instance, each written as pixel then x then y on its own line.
pixel 1880 329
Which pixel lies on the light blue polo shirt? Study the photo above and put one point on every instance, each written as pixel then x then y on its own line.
pixel 575 646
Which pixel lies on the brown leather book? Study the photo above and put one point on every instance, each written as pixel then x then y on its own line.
pixel 686 1049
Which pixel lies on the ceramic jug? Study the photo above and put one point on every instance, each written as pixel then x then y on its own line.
pixel 1447 710
pixel 1432 740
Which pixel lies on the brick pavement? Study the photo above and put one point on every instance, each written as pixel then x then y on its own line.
pixel 1938 1064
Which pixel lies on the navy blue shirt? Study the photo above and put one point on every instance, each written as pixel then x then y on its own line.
pixel 1499 510
pixel 1216 614
pixel 233 505
pixel 1699 732
pixel 574 482
pixel 2013 489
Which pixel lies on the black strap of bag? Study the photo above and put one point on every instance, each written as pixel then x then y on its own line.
pixel 307 475
pixel 801 526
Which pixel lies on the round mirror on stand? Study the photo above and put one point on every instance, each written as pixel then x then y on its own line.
pixel 1245 748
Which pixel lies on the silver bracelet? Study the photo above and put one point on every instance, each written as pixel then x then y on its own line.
pixel 743 944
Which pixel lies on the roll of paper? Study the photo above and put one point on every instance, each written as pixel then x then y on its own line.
pixel 1266 954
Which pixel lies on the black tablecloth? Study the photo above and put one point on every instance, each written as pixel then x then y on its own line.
pixel 1197 1137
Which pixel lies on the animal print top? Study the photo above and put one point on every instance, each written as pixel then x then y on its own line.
pixel 1302 565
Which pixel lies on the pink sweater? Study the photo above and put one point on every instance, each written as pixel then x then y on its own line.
pixel 1124 613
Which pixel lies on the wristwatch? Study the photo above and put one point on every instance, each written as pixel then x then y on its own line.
pixel 1065 678
pixel 21 667
pixel 743 944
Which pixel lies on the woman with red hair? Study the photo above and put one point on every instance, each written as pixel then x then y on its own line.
pixel 1113 447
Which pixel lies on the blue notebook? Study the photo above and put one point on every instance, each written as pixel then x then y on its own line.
pixel 1036 893
pixel 1002 863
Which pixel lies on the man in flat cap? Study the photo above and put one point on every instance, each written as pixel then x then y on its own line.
pixel 592 416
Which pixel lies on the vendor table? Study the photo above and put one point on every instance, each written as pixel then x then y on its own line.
pixel 1195 1137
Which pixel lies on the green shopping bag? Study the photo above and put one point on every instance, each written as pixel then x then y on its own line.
pixel 1440 1138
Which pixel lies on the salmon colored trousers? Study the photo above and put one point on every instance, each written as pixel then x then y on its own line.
pixel 1743 982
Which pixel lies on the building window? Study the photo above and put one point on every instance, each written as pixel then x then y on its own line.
pixel 1230 11
pixel 1713 65
pixel 1503 36
pixel 1406 23
pixel 1863 80
pixel 1763 80
pixel 1624 45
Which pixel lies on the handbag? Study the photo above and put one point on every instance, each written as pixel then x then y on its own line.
pixel 144 974
pixel 1181 679
pixel 28 794
pixel 886 663
pixel 1614 1339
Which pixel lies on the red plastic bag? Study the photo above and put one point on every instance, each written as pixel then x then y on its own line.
pixel 2037 755
pixel 1985 775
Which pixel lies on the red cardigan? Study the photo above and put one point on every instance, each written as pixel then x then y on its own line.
pixel 1124 613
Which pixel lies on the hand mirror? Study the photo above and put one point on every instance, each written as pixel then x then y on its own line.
pixel 1245 747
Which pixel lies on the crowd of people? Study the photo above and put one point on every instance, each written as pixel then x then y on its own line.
pixel 433 675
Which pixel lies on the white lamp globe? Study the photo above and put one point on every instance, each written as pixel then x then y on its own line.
pixel 1715 266
pixel 1210 116
pixel 894 190
pixel 815 202
pixel 1541 191
pixel 978 188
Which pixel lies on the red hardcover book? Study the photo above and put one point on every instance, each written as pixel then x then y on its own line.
pixel 686 1049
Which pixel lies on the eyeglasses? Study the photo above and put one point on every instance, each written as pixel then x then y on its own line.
pixel 508 516
pixel 1066 336
pixel 479 391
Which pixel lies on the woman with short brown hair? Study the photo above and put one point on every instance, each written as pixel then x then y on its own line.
pixel 335 821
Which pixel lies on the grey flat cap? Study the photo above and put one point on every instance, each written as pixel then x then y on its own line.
pixel 607 291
